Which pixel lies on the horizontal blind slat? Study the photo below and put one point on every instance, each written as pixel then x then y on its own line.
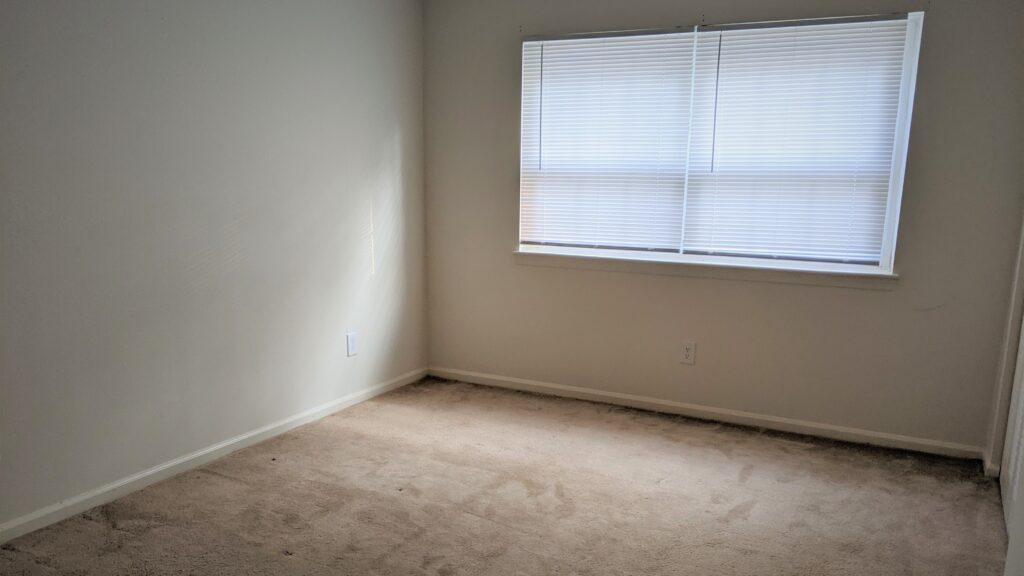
pixel 605 126
pixel 785 150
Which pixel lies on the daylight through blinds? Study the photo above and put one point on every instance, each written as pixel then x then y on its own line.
pixel 766 142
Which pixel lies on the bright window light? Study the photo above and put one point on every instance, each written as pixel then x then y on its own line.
pixel 776 145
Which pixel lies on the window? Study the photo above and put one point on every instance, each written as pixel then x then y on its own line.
pixel 764 145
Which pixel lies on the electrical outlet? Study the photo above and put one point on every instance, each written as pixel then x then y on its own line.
pixel 689 353
pixel 352 343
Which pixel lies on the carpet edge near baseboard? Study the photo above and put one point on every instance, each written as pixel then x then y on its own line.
pixel 822 430
pixel 66 508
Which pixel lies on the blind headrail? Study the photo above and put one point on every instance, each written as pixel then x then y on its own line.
pixel 723 26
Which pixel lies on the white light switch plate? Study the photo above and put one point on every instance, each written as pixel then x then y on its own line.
pixel 352 343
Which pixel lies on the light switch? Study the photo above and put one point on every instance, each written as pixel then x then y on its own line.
pixel 352 343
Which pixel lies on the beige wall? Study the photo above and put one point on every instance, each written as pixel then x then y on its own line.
pixel 916 357
pixel 190 196
pixel 197 201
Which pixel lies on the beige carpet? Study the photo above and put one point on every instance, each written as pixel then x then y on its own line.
pixel 448 478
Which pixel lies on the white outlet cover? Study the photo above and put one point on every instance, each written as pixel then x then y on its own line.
pixel 689 353
pixel 352 343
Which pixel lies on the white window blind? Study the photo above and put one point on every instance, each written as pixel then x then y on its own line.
pixel 777 145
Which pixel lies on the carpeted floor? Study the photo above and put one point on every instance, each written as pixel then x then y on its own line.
pixel 449 478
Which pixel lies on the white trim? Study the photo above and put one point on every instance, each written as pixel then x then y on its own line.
pixel 114 490
pixel 898 161
pixel 1013 450
pixel 991 468
pixel 901 140
pixel 835 268
pixel 996 457
pixel 689 132
pixel 844 433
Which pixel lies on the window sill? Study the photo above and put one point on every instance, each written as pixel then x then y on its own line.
pixel 736 269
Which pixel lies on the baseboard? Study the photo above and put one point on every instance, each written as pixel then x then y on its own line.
pixel 844 433
pixel 109 492
pixel 992 467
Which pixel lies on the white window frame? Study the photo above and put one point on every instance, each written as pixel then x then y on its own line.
pixel 885 266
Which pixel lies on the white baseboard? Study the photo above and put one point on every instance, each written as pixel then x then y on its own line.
pixel 844 433
pixel 992 468
pixel 109 492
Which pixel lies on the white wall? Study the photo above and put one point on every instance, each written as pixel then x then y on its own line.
pixel 190 197
pixel 916 357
